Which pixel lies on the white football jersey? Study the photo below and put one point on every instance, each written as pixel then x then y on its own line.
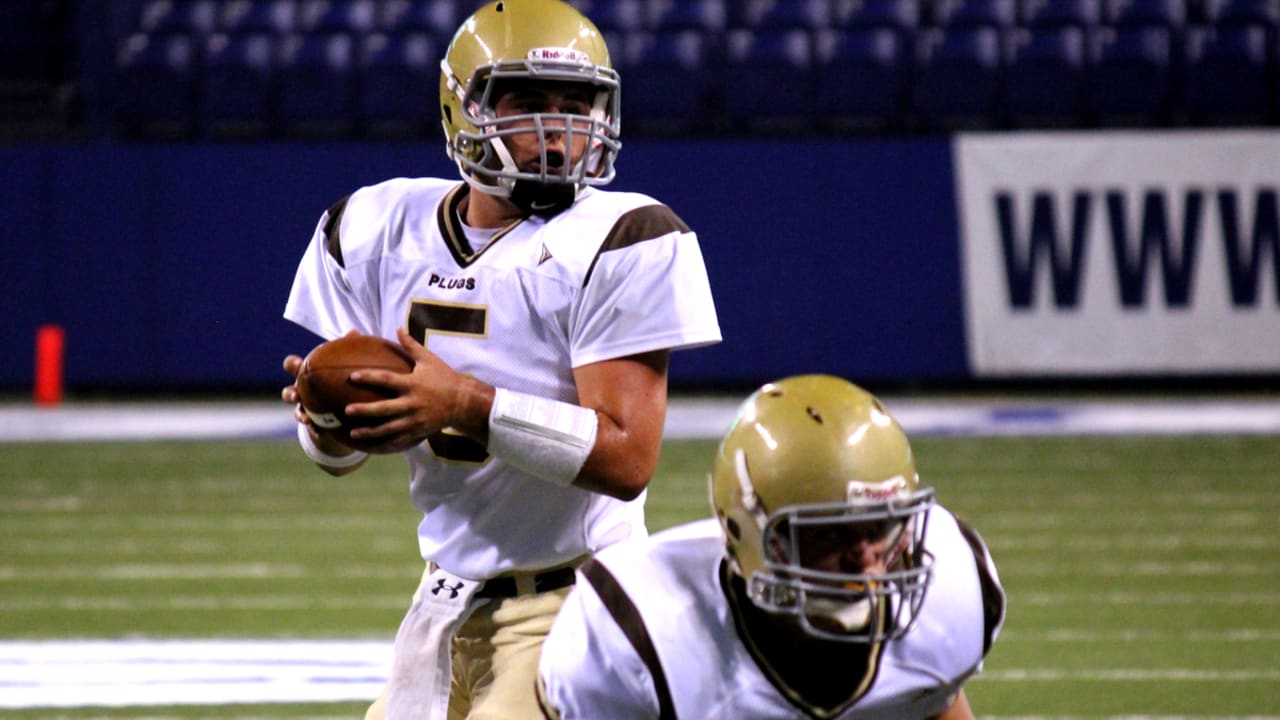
pixel 615 275
pixel 664 595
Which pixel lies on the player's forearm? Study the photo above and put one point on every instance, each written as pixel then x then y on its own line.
pixel 562 443
pixel 472 401
pixel 620 464
pixel 959 709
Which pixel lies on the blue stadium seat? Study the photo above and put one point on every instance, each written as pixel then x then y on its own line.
pixel 1229 75
pixel 900 15
pixel 194 17
pixel 708 16
pixel 354 17
pixel 999 14
pixel 1046 77
pixel 396 89
pixel 959 81
pixel 780 14
pixel 26 47
pixel 1171 14
pixel 236 87
pixel 247 17
pixel 400 17
pixel 614 16
pixel 770 85
pixel 666 80
pixel 861 75
pixel 315 76
pixel 1042 14
pixel 1135 79
pixel 155 86
pixel 1242 12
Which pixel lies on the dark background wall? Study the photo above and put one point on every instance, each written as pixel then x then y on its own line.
pixel 158 188
pixel 168 265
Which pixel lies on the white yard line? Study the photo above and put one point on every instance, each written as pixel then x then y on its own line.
pixel 217 672
pixel 686 418
pixel 1164 675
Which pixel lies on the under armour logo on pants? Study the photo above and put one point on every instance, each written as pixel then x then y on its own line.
pixel 453 590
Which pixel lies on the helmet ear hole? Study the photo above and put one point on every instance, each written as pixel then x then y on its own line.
pixel 448 113
pixel 731 554
pixel 733 529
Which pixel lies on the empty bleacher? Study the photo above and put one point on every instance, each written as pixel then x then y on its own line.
pixel 360 69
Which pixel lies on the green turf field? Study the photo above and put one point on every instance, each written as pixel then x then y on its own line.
pixel 1143 574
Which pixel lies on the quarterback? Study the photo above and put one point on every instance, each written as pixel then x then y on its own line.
pixel 540 311
pixel 829 585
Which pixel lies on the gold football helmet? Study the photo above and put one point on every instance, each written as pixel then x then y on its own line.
pixel 815 456
pixel 517 40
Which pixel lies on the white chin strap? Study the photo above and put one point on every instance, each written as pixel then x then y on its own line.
pixel 503 185
pixel 501 190
pixel 849 616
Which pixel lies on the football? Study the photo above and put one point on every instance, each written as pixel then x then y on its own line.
pixel 325 387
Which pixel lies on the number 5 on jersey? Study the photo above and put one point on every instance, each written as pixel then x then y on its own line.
pixel 427 317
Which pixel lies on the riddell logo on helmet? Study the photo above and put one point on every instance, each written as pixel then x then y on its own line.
pixel 860 492
pixel 560 55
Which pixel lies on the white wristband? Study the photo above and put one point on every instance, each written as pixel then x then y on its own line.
pixel 546 438
pixel 320 456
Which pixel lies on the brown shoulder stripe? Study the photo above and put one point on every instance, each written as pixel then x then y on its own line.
pixel 638 225
pixel 628 617
pixel 993 601
pixel 332 224
pixel 643 223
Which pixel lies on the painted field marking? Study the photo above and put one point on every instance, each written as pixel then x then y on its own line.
pixel 178 672
pixel 1131 675
pixel 687 418
pixel 1124 717
pixel 1076 635
pixel 114 673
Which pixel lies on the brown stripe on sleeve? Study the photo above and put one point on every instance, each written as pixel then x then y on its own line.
pixel 332 223
pixel 993 600
pixel 638 225
pixel 624 612
pixel 643 223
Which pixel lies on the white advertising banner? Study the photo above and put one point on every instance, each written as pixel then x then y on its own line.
pixel 1120 252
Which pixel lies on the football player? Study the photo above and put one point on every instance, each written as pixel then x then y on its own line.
pixel 829 584
pixel 540 311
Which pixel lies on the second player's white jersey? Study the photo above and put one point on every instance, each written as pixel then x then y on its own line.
pixel 615 275
pixel 591 668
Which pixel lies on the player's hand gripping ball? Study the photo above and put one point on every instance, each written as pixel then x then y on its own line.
pixel 325 387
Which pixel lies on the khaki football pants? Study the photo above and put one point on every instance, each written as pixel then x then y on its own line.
pixel 495 659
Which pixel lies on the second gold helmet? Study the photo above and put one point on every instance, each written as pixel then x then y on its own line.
pixel 816 451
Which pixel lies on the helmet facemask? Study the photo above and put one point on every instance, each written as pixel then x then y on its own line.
pixel 861 607
pixel 823 513
pixel 480 144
